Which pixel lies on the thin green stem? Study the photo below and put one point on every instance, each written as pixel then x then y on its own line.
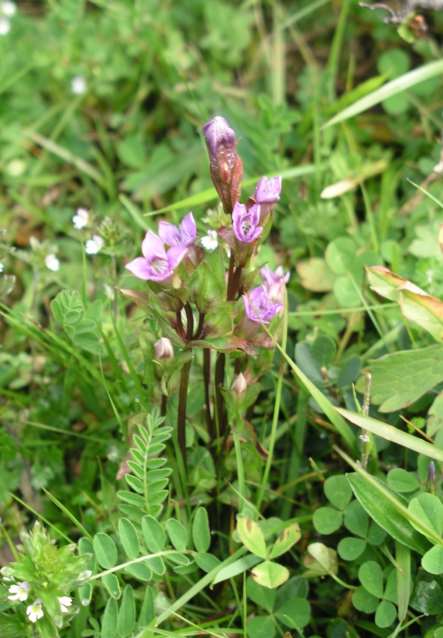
pixel 277 403
pixel 182 405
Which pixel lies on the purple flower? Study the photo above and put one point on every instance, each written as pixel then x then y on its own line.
pixel 225 164
pixel 259 307
pixel 157 263
pixel 182 236
pixel 274 283
pixel 218 133
pixel 245 222
pixel 268 190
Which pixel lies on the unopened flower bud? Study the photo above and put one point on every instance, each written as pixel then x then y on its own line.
pixel 225 164
pixel 240 384
pixel 163 349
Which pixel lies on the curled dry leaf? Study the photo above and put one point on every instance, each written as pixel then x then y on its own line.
pixel 415 304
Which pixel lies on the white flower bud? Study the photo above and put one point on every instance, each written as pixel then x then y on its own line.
pixel 240 384
pixel 163 349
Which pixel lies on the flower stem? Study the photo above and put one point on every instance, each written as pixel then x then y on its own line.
pixel 207 385
pixel 219 378
pixel 182 403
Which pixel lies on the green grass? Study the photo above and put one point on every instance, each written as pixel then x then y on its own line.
pixel 347 109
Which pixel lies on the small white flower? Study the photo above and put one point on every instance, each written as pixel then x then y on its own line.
pixel 65 602
pixel 94 245
pixel 2 267
pixel 8 8
pixel 78 85
pixel 81 218
pixel 35 611
pixel 5 26
pixel 52 263
pixel 19 592
pixel 364 438
pixel 210 241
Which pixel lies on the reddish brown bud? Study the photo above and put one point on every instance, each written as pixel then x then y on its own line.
pixel 226 166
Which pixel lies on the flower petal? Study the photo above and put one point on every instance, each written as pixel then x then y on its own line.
pixel 175 256
pixel 169 233
pixel 188 230
pixel 140 268
pixel 153 246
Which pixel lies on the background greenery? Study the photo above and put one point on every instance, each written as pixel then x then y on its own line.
pixel 130 147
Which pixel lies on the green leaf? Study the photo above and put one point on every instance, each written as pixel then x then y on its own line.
pixel 239 566
pixel 251 536
pixel 154 535
pixel 112 584
pixel 401 481
pixel 401 378
pixel 260 595
pixel 429 510
pixel 327 520
pixel 261 627
pixel 386 510
pixel 403 579
pixel 201 534
pixel 340 255
pixel 320 560
pixel 141 571
pixel 105 550
pixel 364 601
pixel 390 433
pixel 206 562
pixel 128 537
pixel 432 561
pixel 289 536
pixel 385 614
pixel 109 619
pixel 427 597
pixel 394 87
pixel 294 613
pixel 270 574
pixel 356 520
pixel 338 491
pixel 350 548
pixel 370 575
pixel 67 307
pixel 126 613
pixel 178 534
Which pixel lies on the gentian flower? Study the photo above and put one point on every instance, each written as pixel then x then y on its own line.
pixel 245 222
pixel 259 307
pixel 268 190
pixel 157 263
pixel 274 283
pixel 225 164
pixel 182 236
pixel 19 592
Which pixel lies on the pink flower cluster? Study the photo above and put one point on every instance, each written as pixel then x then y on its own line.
pixel 263 303
pixel 162 253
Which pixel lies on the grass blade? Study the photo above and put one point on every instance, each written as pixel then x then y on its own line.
pixel 210 193
pixel 394 87
pixel 390 433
